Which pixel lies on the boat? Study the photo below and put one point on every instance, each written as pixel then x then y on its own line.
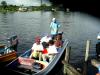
pixel 24 65
pixel 7 51
pixel 6 55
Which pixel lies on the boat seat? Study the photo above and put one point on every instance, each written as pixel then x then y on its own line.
pixel 27 67
pixel 36 70
pixel 25 61
pixel 37 65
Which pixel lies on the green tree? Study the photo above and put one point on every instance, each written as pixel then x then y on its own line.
pixel 4 4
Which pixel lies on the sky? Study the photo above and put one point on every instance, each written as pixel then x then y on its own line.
pixel 26 2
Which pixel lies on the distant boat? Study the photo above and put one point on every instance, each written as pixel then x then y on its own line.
pixel 23 9
pixel 25 66
pixel 54 9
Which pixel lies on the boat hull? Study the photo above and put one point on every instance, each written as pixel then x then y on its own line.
pixel 6 58
pixel 54 71
pixel 57 69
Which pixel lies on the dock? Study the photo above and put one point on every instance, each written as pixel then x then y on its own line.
pixel 88 66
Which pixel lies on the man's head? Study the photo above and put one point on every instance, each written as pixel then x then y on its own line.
pixel 37 40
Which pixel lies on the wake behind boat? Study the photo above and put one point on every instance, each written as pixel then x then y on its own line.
pixel 25 66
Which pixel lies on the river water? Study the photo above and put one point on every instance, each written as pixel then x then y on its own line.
pixel 77 27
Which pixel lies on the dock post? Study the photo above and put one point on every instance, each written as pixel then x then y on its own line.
pixel 67 54
pixel 66 60
pixel 69 69
pixel 86 57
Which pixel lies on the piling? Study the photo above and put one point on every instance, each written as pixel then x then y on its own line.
pixel 86 57
pixel 69 69
pixel 67 54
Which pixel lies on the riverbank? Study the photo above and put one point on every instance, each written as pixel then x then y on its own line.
pixel 14 8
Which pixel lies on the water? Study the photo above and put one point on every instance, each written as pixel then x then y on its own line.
pixel 77 27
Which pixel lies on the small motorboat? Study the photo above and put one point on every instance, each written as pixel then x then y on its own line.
pixel 24 65
pixel 8 51
pixel 6 55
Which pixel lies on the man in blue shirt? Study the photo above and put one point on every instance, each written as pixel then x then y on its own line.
pixel 54 26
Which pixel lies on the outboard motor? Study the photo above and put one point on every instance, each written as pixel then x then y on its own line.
pixel 13 42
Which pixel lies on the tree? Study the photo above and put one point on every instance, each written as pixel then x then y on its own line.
pixel 4 4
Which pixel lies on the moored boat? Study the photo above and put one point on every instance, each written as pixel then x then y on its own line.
pixel 8 51
pixel 25 66
pixel 6 55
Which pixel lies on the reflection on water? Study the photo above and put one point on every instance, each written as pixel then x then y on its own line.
pixel 77 27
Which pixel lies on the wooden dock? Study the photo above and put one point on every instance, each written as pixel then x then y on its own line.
pixel 68 68
pixel 87 66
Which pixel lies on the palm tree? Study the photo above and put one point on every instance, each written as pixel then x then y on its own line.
pixel 4 4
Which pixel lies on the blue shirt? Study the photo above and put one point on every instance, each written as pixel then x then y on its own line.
pixel 99 69
pixel 54 28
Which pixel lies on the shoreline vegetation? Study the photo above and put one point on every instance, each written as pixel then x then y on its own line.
pixel 4 7
pixel 14 8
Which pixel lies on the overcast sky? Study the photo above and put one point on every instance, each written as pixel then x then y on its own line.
pixel 25 2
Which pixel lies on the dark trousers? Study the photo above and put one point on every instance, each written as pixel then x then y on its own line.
pixel 98 50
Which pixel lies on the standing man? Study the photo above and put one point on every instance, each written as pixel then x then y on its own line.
pixel 54 27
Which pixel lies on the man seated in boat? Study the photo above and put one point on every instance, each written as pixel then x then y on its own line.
pixel 37 49
pixel 45 42
pixel 46 38
pixel 51 51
